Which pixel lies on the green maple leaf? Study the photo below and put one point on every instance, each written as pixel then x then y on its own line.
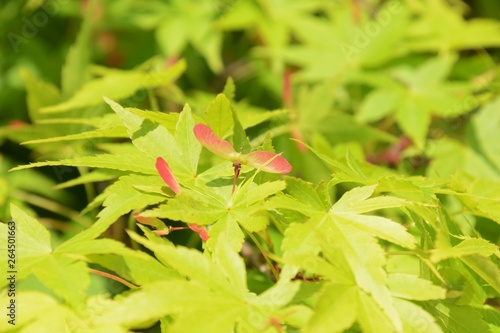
pixel 460 319
pixel 116 84
pixel 181 151
pixel 344 236
pixel 483 131
pixel 275 22
pixel 316 113
pixel 349 44
pixel 43 313
pixel 121 197
pixel 415 96
pixel 206 205
pixel 63 269
pixel 218 279
pixel 461 34
pixel 191 23
pixel 206 198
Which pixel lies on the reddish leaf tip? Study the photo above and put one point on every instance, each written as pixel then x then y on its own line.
pixel 167 175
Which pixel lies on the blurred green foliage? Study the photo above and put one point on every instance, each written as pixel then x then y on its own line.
pixel 375 89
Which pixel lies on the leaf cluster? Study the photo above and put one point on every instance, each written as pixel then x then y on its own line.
pixel 191 219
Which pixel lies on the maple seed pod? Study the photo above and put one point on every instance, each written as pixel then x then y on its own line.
pixel 167 175
pixel 278 163
pixel 270 162
pixel 212 142
pixel 202 231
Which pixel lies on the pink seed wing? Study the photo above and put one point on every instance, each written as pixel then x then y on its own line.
pixel 278 164
pixel 204 234
pixel 212 142
pixel 202 231
pixel 194 227
pixel 167 176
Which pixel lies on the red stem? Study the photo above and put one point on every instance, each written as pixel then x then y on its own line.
pixel 237 169
pixel 356 11
pixel 113 277
pixel 287 89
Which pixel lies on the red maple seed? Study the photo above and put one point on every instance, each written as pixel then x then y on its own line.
pixel 278 163
pixel 167 176
pixel 256 159
pixel 202 231
pixel 212 142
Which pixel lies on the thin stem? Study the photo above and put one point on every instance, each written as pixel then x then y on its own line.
pixel 275 258
pixel 153 101
pixel 177 228
pixel 265 238
pixel 168 230
pixel 237 169
pixel 113 277
pixel 264 254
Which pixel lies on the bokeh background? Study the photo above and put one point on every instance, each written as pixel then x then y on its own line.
pixel 335 72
